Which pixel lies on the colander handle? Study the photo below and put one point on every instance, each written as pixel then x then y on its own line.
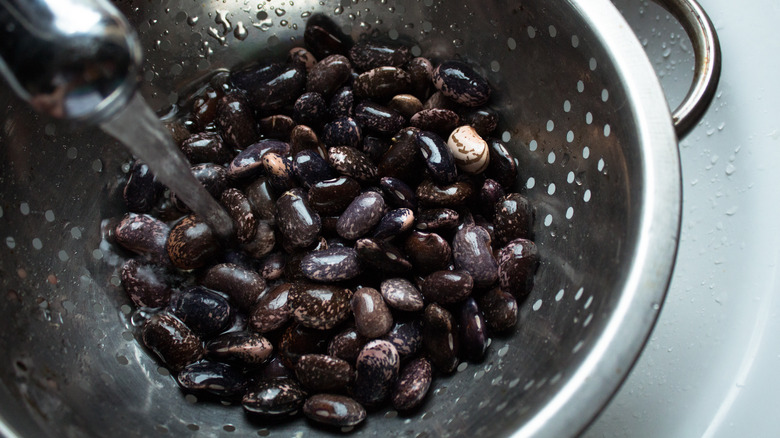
pixel 706 48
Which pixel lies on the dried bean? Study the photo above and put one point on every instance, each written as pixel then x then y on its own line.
pixel 298 223
pixel 145 284
pixel 382 256
pixel 378 118
pixel 370 54
pixel 142 189
pixel 430 194
pixel 362 214
pixel 517 264
pixel 413 384
pixel 236 121
pixel 401 294
pixel 245 348
pixel 191 244
pixel 171 341
pixel 205 147
pixel 272 311
pixel 473 336
pixel 472 253
pixel 333 264
pixel 144 235
pixel 237 206
pixel 343 131
pixel 502 166
pixel 319 306
pixel 347 344
pixel 372 317
pixel 310 109
pixel 376 370
pixel 243 286
pixel 513 218
pixel 274 397
pixel 271 87
pixel 278 127
pixel 320 372
pixel 351 162
pixel 298 340
pixel 205 312
pixel 398 193
pixel 406 336
pixel 447 287
pixel 461 83
pixel 212 379
pixel 439 120
pixel 470 151
pixel 381 83
pixel 438 158
pixel 440 338
pixel 334 410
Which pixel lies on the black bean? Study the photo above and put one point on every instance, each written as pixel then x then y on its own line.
pixel 171 341
pixel 406 336
pixel 320 372
pixel 328 75
pixel 332 196
pixel 430 194
pixel 311 168
pixel 272 311
pixel 472 252
pixel 502 166
pixel 447 287
pixel 271 87
pixel 403 160
pixel 381 83
pixel 398 193
pixel 142 189
pixel 362 214
pixel 242 347
pixel 212 379
pixel 347 344
pixel 514 218
pixel 368 54
pixel 144 235
pixel 379 119
pixel 382 256
pixel 517 264
pixel 192 244
pixel 262 243
pixel 342 103
pixel 438 158
pixel 333 264
pixel 274 397
pixel 205 147
pixel 304 138
pixel 351 162
pixel 145 284
pixel 461 83
pixel 319 306
pixel 393 223
pixel 248 164
pixel 240 210
pixel 439 120
pixel 272 266
pixel 483 120
pixel 276 127
pixel 413 384
pixel 401 294
pixel 376 371
pixel 205 312
pixel 420 71
pixel 343 131
pixel 298 223
pixel 204 106
pixel 372 317
pixel 309 109
pixel 236 121
pixel 499 308
pixel 263 200
pixel 474 340
pixel 440 338
pixel 334 410
pixel 243 286
pixel 436 219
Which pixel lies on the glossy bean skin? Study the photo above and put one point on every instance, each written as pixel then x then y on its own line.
pixel 513 218
pixel 304 138
pixel 428 252
pixel 490 193
pixel 502 166
pixel 263 200
pixel 142 190
pixel 413 384
pixel 393 223
pixel 447 287
pixel 342 104
pixel 439 120
pixel 145 284
pixel 472 252
pixel 277 126
pixel 319 306
pixel 382 256
pixel 376 371
pixel 382 83
pixel 401 294
pixel 499 308
pixel 378 118
pixel 420 70
pixel 470 151
pixel 368 54
pixel 517 264
pixel 298 223
pixel 243 286
pixel 333 196
pixel 473 331
pixel 406 104
pixel 440 338
pixel 347 344
pixel 213 177
pixel 430 194
pixel 212 379
pixel 263 241
pixel 310 109
pixel 205 312
pixel 205 147
pixel 403 160
pixel 334 410
pixel 344 131
pixel 191 244
pixel 236 121
pixel 332 264
pixel 302 58
pixel 437 219
pixel 240 210
pixel 406 336
pixel 398 193
pixel 362 214
pixel 171 340
pixel 143 235
pixel 483 120
pixel 298 340
pixel 372 317
pixel 274 397
pixel 328 75
pixel 461 83
pixel 245 348
pixel 438 158
pixel 271 87
pixel 353 163
pixel 272 311
pixel 311 168
pixel 320 372
pixel 248 164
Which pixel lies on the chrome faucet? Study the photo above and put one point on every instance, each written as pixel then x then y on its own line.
pixel 71 59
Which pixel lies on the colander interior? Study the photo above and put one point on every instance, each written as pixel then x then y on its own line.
pixel 71 366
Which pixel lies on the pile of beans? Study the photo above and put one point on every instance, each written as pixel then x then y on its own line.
pixel 376 241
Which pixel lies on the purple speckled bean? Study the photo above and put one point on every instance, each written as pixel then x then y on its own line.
pixel 361 215
pixel 413 384
pixel 376 370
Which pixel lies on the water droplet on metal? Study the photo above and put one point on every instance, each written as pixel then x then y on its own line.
pixel 240 32
pixel 192 21
pixel 280 12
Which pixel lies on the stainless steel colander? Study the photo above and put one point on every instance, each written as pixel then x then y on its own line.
pixel 581 109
